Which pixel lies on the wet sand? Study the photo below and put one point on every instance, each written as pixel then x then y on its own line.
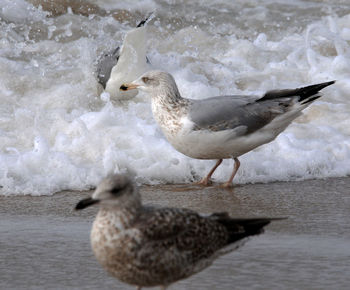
pixel 44 243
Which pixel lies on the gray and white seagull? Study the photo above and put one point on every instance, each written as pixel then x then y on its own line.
pixel 125 63
pixel 225 126
pixel 146 246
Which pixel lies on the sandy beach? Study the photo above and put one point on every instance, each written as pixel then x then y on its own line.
pixel 45 244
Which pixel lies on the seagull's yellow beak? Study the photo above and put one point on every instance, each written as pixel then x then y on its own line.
pixel 126 87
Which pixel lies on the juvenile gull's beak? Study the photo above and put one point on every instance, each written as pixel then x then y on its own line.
pixel 85 203
pixel 126 87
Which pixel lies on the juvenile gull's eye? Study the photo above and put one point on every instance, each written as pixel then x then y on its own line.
pixel 119 189
pixel 145 80
pixel 115 191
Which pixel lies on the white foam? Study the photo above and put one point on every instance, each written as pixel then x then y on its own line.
pixel 57 133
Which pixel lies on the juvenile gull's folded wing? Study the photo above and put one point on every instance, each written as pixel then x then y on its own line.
pixel 183 228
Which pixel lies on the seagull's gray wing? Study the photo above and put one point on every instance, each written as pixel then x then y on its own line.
pixel 242 113
pixel 246 114
pixel 105 64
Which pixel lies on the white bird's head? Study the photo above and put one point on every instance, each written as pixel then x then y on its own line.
pixel 116 190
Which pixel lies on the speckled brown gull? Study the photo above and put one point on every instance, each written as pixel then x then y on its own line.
pixel 146 247
pixel 225 126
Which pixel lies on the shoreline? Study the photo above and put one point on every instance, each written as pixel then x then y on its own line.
pixel 176 195
pixel 45 242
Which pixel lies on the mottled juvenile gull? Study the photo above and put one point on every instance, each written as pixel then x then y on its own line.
pixel 124 64
pixel 146 247
pixel 224 126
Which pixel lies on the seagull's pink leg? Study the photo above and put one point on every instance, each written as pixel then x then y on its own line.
pixel 235 169
pixel 206 180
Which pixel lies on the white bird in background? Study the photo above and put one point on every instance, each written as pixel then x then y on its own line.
pixel 225 126
pixel 124 64
pixel 146 246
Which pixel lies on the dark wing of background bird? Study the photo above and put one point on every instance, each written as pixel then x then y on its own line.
pixel 105 63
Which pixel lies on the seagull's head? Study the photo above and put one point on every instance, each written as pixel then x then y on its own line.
pixel 151 81
pixel 117 190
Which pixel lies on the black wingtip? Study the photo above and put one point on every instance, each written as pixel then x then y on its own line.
pixel 256 226
pixel 147 19
pixel 241 228
pixel 84 203
pixel 310 91
pixel 330 83
pixel 304 93
pixel 323 85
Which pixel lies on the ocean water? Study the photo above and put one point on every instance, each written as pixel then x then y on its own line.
pixel 59 132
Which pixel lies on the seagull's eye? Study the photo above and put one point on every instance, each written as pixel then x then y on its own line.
pixel 115 191
pixel 118 190
pixel 146 80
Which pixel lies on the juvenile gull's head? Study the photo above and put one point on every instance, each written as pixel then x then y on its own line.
pixel 115 190
pixel 154 83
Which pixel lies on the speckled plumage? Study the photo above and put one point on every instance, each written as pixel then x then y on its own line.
pixel 146 246
pixel 225 126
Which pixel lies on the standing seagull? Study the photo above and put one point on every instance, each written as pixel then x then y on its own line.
pixel 225 126
pixel 114 67
pixel 146 247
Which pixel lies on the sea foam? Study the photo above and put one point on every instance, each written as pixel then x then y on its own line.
pixel 57 132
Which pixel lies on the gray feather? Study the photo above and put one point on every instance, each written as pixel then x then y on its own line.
pixel 246 114
pixel 105 64
pixel 233 112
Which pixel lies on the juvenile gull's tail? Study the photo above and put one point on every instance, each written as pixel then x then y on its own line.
pixel 242 228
